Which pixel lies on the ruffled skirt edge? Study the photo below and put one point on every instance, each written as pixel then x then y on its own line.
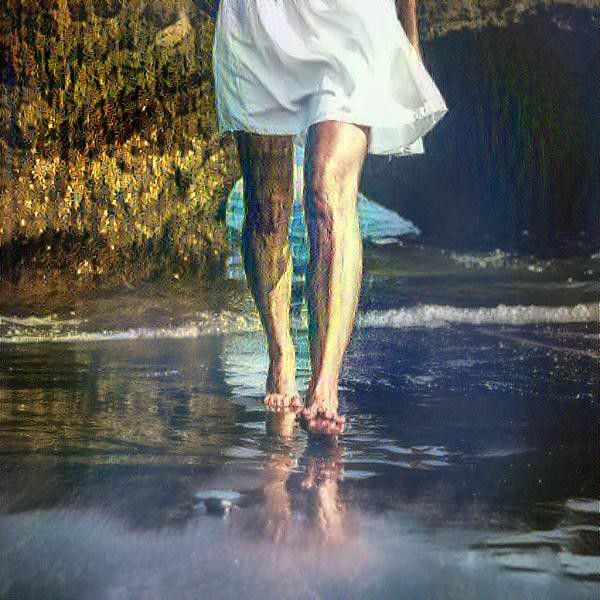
pixel 394 140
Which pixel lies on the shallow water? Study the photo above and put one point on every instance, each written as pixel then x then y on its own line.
pixel 138 462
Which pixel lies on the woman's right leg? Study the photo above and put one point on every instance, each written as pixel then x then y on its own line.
pixel 267 169
pixel 335 155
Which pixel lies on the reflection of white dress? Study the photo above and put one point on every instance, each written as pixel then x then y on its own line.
pixel 281 65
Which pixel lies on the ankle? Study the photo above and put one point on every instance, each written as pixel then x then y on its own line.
pixel 322 396
pixel 285 356
pixel 325 386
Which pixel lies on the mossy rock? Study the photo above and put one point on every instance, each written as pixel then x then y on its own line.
pixel 108 129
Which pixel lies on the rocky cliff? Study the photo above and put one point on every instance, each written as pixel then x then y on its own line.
pixel 111 162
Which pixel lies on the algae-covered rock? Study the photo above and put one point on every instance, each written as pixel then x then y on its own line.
pixel 108 132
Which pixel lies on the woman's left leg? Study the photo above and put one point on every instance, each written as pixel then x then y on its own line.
pixel 335 156
pixel 267 168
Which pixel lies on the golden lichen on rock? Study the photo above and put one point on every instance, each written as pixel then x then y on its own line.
pixel 108 133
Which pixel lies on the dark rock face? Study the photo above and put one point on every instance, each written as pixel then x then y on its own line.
pixel 439 17
pixel 517 150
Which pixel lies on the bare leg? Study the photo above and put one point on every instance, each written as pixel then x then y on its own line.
pixel 267 169
pixel 335 157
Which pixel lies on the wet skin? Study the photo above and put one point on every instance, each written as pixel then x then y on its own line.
pixel 334 159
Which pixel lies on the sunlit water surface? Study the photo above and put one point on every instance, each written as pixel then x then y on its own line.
pixel 137 460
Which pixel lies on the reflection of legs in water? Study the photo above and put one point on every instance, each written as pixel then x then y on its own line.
pixel 335 155
pixel 267 168
pixel 282 424
pixel 322 479
pixel 275 514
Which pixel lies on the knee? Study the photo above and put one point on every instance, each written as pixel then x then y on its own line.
pixel 332 190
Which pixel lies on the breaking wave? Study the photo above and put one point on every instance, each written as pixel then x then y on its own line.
pixel 434 315
pixel 51 329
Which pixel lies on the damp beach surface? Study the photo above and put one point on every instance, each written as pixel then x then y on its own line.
pixel 137 461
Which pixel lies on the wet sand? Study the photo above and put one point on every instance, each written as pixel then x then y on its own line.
pixel 137 460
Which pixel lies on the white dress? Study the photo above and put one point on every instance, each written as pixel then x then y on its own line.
pixel 282 65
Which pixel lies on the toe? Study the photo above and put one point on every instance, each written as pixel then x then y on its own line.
pixel 321 425
pixel 317 426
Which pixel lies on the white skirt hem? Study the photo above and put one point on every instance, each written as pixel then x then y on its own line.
pixel 271 79
pixel 424 120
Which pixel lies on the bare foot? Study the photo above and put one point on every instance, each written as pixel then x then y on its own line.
pixel 320 414
pixel 282 391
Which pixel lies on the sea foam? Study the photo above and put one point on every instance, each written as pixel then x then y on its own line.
pixel 50 329
pixel 435 315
